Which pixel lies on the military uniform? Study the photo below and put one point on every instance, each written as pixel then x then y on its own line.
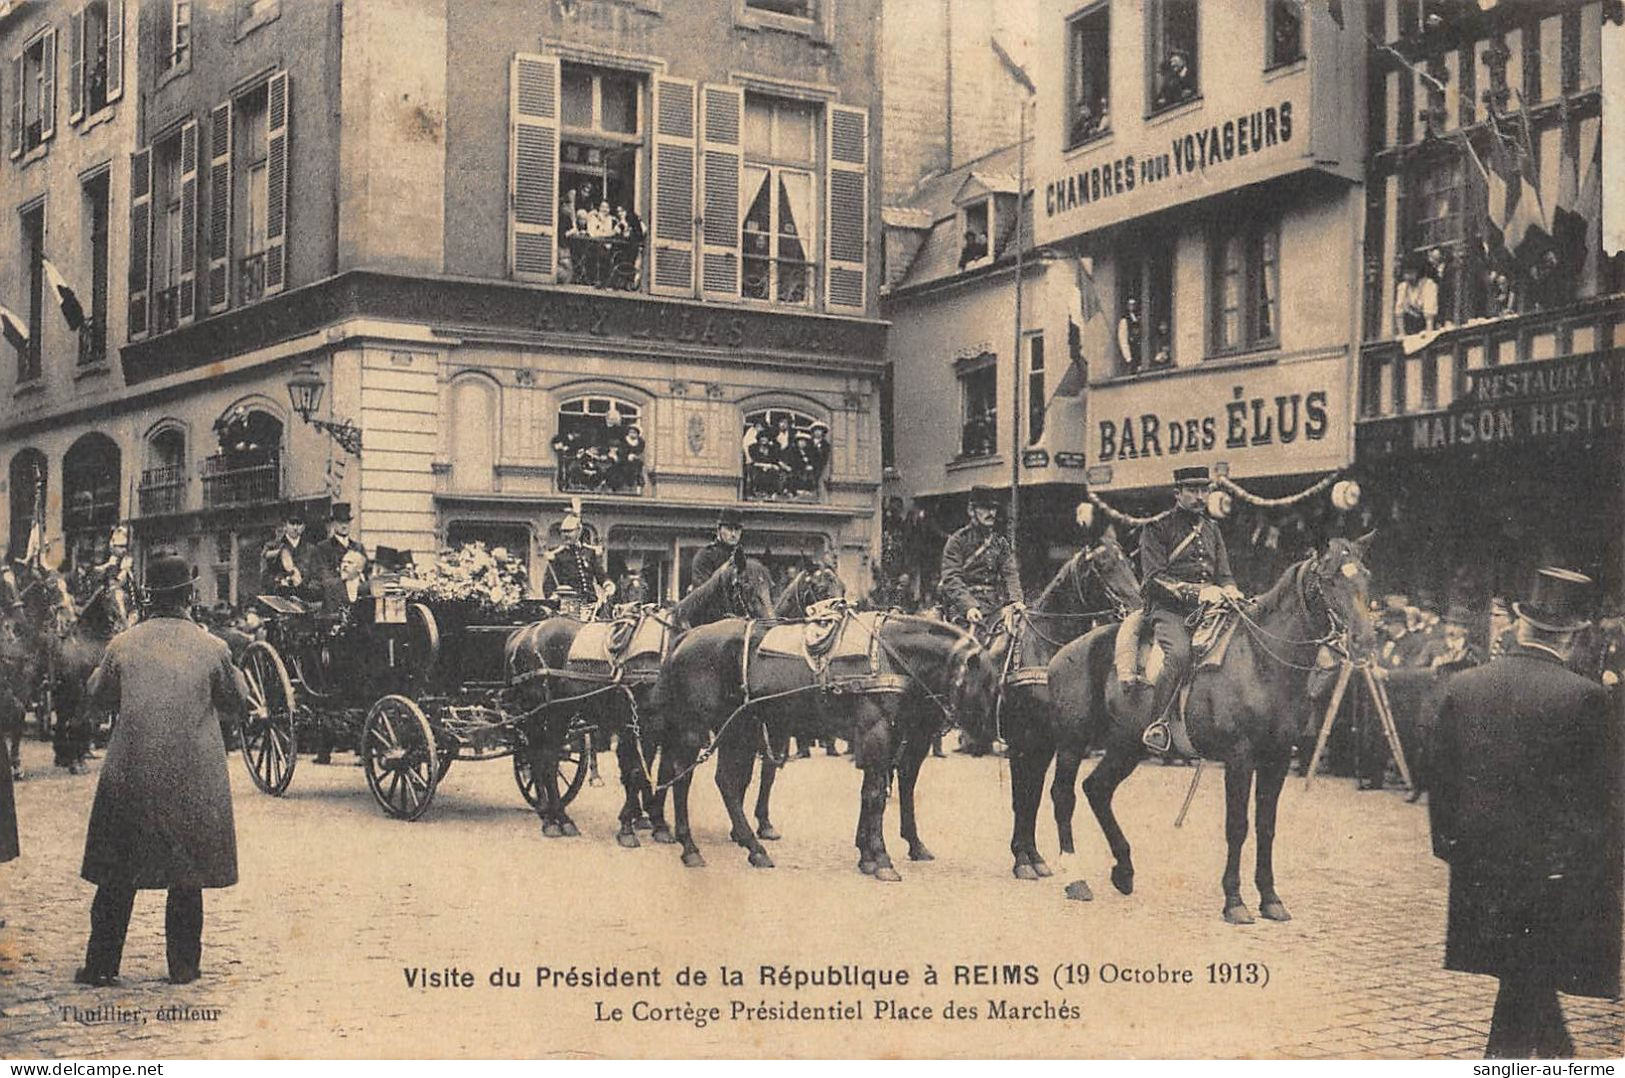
pixel 978 571
pixel 1180 554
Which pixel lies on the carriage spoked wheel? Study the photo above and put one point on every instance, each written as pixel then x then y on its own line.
pixel 572 771
pixel 269 747
pixel 402 762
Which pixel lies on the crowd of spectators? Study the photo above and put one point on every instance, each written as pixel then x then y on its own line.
pixel 601 459
pixel 601 243
pixel 785 461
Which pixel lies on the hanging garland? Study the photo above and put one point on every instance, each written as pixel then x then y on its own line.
pixel 1225 483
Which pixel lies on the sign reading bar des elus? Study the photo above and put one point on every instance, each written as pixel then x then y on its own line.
pixel 1280 419
pixel 1579 397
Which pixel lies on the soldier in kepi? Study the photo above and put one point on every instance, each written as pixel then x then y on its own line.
pixel 574 571
pixel 979 573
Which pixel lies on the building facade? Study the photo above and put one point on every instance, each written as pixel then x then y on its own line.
pixel 534 252
pixel 1201 162
pixel 1491 430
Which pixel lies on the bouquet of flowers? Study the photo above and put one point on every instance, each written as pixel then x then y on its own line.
pixel 474 574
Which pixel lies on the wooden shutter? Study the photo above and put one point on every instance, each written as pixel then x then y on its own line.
pixel 533 167
pixel 115 50
pixel 218 286
pixel 673 209
pixel 276 180
pixel 76 65
pixel 140 240
pixel 846 229
pixel 17 105
pixel 722 159
pixel 47 86
pixel 186 305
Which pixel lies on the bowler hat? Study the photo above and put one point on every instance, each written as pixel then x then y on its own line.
pixel 340 513
pixel 730 518
pixel 1558 601
pixel 168 572
pixel 987 496
pixel 1197 475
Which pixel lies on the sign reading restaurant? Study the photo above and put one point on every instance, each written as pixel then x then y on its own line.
pixel 1171 164
pixel 1271 420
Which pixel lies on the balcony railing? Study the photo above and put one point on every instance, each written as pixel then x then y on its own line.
pixel 602 263
pixel 251 277
pixel 782 280
pixel 92 343
pixel 232 480
pixel 162 490
pixel 166 309
pixel 1434 375
pixel 594 473
pixel 31 135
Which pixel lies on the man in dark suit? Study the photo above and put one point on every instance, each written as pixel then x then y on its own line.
pixel 1524 803
pixel 330 552
pixel 712 556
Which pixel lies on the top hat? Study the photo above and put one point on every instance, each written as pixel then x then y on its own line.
pixel 1558 601
pixel 730 518
pixel 991 497
pixel 340 513
pixel 168 572
pixel 1196 476
pixel 391 560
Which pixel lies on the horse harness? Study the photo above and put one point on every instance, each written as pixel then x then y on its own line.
pixel 841 650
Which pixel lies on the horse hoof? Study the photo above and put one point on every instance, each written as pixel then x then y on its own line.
pixel 760 859
pixel 866 867
pixel 643 823
pixel 920 853
pixel 768 833
pixel 887 874
pixel 1023 871
pixel 627 840
pixel 1123 879
pixel 1044 871
pixel 1238 914
pixel 1078 891
pixel 693 859
pixel 1066 846
pixel 552 830
pixel 569 830
pixel 663 836
pixel 1273 910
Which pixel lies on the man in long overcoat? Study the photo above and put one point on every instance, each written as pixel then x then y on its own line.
pixel 162 816
pixel 1524 803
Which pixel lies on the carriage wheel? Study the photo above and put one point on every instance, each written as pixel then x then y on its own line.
pixel 269 747
pixel 403 765
pixel 419 649
pixel 572 771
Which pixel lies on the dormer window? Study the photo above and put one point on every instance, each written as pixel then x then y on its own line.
pixel 976 233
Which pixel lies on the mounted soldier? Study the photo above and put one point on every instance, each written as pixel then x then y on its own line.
pixel 576 568
pixel 111 581
pixel 979 572
pixel 712 556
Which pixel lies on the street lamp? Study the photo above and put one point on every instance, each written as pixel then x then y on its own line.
pixel 305 394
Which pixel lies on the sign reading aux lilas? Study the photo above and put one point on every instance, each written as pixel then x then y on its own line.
pixel 1277 420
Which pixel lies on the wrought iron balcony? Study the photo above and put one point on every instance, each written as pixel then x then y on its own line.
pixel 251 277
pixel 162 490
pixel 232 479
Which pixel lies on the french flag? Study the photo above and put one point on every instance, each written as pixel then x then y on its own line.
pixel 73 312
pixel 15 329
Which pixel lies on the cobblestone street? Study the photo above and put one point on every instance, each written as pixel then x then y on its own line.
pixel 305 957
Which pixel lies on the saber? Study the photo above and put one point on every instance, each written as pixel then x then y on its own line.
pixel 1190 794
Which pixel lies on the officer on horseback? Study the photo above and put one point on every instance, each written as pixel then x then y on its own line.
pixel 576 567
pixel 712 556
pixel 114 578
pixel 979 572
pixel 1184 565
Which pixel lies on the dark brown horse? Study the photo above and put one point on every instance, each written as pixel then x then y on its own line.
pixel 1246 712
pixel 1096 585
pixel 538 665
pixel 928 672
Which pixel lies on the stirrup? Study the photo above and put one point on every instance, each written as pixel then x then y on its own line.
pixel 1158 737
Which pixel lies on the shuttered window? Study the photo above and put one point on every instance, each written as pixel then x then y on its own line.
pixel 95 58
pixel 186 253
pixel 674 181
pixel 277 115
pixel 847 163
pixel 140 279
pixel 33 94
pixel 218 291
pixel 721 149
pixel 533 167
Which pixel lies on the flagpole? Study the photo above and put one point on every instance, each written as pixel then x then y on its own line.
pixel 1015 417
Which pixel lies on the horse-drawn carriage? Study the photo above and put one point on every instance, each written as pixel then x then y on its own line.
pixel 413 684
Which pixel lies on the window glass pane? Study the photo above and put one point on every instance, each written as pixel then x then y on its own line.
pixel 757 232
pixel 576 108
pixel 794 132
pixel 1229 293
pixel 1286 31
pixel 795 213
pixel 758 128
pixel 802 9
pixel 1267 285
pixel 620 95
pixel 1090 77
pixel 1173 52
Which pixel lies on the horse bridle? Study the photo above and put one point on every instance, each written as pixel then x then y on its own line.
pixel 1088 557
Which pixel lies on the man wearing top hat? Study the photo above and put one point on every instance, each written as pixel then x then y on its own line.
pixel 290 565
pixel 1184 564
pixel 979 572
pixel 329 554
pixel 712 556
pixel 575 565
pixel 162 816
pixel 1524 803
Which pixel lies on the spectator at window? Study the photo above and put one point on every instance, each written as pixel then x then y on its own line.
pixel 1416 299
pixel 1088 120
pixel 766 476
pixel 1162 346
pixel 629 470
pixel 628 225
pixel 783 434
pixel 1176 81
pixel 820 452
pixel 975 247
pixel 1130 334
pixel 600 222
pixel 801 465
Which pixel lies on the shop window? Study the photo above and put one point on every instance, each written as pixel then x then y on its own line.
pixel 1283 28
pixel 93 334
pixel 1244 292
pixel 164 478
pixel 90 491
pixel 979 408
pixel 32 271
pixel 176 36
pixel 1172 54
pixel 600 161
pixel 780 199
pixel 1145 304
pixel 26 487
pixel 247 468
pixel 976 220
pixel 1088 43
pixel 786 454
pixel 1037 401
pixel 600 447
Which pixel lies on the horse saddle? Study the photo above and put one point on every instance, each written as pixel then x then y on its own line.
pixel 1210 636
pixel 837 650
pixel 599 645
